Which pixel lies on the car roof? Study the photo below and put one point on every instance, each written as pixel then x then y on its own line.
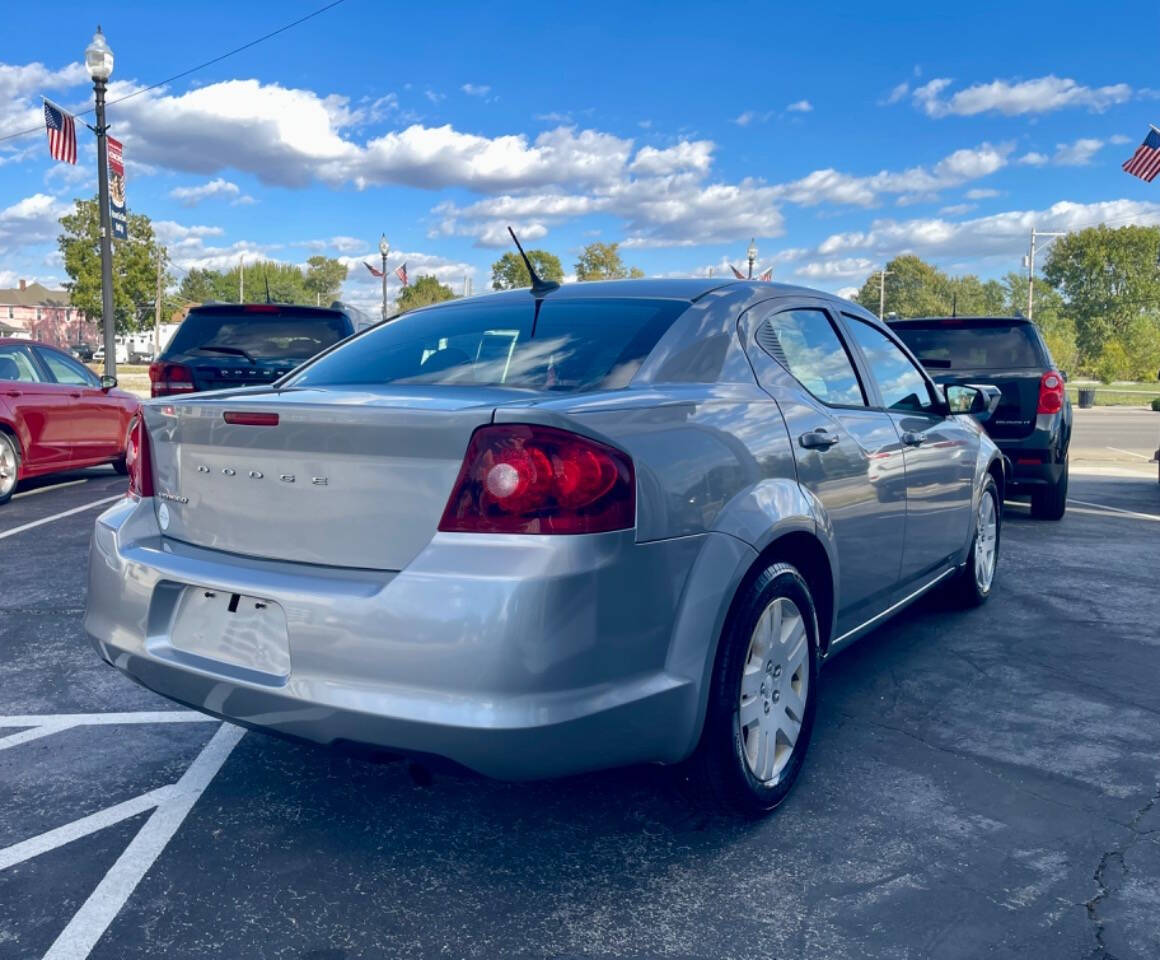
pixel 216 307
pixel 22 342
pixel 964 319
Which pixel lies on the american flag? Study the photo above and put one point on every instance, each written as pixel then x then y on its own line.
pixel 374 271
pixel 767 276
pixel 62 133
pixel 737 273
pixel 401 273
pixel 1145 162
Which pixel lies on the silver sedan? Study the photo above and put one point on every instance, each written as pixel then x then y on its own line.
pixel 542 533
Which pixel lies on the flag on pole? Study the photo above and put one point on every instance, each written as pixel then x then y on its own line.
pixel 401 273
pixel 62 133
pixel 374 272
pixel 767 276
pixel 737 273
pixel 1145 162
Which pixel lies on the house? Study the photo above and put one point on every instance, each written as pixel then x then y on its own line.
pixel 34 312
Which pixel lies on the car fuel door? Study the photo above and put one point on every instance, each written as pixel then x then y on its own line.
pixel 848 455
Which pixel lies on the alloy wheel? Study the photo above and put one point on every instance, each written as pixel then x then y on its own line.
pixel 774 689
pixel 7 467
pixel 986 541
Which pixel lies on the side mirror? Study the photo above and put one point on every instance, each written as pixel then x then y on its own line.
pixel 979 401
pixel 107 383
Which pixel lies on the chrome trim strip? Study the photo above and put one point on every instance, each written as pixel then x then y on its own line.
pixel 889 610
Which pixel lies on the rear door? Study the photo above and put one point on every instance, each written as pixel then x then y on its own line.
pixel 40 406
pixel 939 451
pixel 96 422
pixel 848 454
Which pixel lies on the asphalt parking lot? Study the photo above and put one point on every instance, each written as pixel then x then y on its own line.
pixel 981 783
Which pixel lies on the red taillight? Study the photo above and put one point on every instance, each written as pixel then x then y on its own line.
pixel 260 308
pixel 138 460
pixel 251 419
pixel 169 378
pixel 1050 393
pixel 521 478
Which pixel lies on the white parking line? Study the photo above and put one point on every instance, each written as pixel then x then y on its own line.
pixel 89 923
pixel 1130 453
pixel 58 516
pixel 97 719
pixel 55 486
pixel 1116 510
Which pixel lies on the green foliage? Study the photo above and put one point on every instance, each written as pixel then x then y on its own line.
pixel 134 266
pixel 324 278
pixel 1109 280
pixel 509 272
pixel 422 293
pixel 1156 404
pixel 914 288
pixel 602 261
pixel 1113 362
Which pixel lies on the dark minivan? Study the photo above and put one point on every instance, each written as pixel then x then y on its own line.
pixel 221 345
pixel 1032 424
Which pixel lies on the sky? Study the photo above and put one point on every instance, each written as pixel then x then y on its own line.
pixel 834 135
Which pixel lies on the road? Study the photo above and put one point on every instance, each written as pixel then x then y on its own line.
pixel 981 783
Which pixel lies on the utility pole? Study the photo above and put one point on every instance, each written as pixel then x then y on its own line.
pixel 241 278
pixel 1030 264
pixel 157 304
pixel 882 291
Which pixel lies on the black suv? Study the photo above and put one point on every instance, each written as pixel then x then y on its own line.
pixel 221 345
pixel 1032 425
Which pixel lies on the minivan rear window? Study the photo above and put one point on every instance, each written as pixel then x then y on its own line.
pixel 262 335
pixel 967 346
pixel 573 345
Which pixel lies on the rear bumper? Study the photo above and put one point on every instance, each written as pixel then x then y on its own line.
pixel 528 659
pixel 1040 458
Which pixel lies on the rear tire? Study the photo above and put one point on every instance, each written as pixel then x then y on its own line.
pixel 972 585
pixel 9 466
pixel 1051 502
pixel 762 697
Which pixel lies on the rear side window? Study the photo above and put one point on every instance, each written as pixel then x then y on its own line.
pixel 806 344
pixel 901 383
pixel 573 345
pixel 954 344
pixel 263 336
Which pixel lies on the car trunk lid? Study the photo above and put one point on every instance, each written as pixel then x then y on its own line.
pixel 344 478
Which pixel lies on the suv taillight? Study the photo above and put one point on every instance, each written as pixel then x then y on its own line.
pixel 1050 393
pixel 522 478
pixel 169 378
pixel 138 460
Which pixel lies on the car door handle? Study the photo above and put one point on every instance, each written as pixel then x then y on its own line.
pixel 75 396
pixel 913 439
pixel 12 393
pixel 820 439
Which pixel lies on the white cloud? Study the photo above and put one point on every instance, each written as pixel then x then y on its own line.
pixel 1033 159
pixel 981 193
pixel 831 269
pixel 898 93
pixel 476 89
pixel 847 293
pixel 1078 154
pixel 20 86
pixel 686 155
pixel 800 106
pixel 192 196
pixel 957 209
pixel 1119 138
pixel 434 96
pixel 31 221
pixel 1014 98
pixel 746 117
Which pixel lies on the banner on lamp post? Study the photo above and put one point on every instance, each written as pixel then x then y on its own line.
pixel 117 190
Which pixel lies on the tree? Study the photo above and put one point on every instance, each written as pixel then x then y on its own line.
pixel 1110 283
pixel 287 284
pixel 324 278
pixel 422 293
pixel 602 261
pixel 509 272
pixel 914 288
pixel 134 266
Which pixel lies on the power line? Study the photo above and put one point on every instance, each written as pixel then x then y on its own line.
pixel 185 73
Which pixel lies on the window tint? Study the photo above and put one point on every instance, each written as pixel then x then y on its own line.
pixel 67 370
pixel 264 336
pixel 16 364
pixel 574 345
pixel 901 383
pixel 806 344
pixel 958 344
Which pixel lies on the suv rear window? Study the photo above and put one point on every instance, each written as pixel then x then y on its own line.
pixel 961 345
pixel 575 345
pixel 263 335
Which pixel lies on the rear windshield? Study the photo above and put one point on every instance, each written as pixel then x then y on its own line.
pixel 263 336
pixel 575 345
pixel 992 346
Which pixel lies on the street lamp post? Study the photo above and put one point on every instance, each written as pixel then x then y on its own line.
pixel 751 253
pixel 99 60
pixel 384 249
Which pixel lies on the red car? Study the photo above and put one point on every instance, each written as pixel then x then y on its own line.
pixel 56 414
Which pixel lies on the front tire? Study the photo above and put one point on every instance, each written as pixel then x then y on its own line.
pixel 1051 502
pixel 762 697
pixel 974 582
pixel 9 467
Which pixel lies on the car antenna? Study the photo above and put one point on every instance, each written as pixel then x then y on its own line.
pixel 539 285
